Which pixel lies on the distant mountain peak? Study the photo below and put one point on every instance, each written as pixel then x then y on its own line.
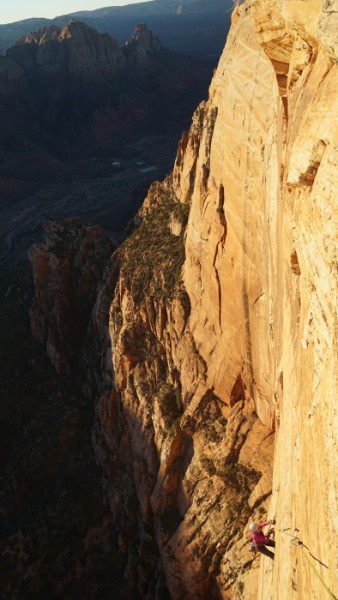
pixel 77 29
pixel 73 29
pixel 143 36
pixel 75 49
pixel 142 44
pixel 87 49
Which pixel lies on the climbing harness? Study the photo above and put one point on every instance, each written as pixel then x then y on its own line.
pixel 295 541
pixel 252 548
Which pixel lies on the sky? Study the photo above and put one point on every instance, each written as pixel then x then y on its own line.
pixel 16 10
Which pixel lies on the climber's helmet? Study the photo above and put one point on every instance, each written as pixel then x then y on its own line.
pixel 253 526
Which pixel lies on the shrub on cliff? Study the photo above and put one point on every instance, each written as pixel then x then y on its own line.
pixel 153 256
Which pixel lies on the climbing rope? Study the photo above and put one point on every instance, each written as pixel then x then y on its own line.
pixel 295 541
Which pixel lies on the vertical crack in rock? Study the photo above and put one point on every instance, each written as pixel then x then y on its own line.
pixel 245 260
pixel 220 245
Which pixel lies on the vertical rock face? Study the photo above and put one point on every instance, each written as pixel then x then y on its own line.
pixel 260 163
pixel 208 365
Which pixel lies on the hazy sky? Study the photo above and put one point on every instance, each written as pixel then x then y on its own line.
pixel 15 10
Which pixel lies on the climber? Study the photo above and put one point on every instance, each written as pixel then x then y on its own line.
pixel 260 540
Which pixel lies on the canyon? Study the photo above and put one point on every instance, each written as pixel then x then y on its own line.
pixel 208 338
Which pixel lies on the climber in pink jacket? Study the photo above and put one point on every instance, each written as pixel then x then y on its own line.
pixel 260 540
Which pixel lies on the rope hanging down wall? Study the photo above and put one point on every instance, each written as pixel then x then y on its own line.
pixel 295 541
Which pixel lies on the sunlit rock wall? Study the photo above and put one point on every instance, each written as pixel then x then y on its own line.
pixel 260 169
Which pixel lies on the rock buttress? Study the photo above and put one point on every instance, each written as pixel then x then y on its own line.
pixel 67 268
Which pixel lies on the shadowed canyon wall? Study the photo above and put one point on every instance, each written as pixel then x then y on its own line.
pixel 219 369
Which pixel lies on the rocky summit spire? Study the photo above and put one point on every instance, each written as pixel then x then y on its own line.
pixel 142 44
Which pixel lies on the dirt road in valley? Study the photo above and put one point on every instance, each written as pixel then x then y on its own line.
pixel 110 196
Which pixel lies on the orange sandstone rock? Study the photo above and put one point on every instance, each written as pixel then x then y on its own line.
pixel 240 344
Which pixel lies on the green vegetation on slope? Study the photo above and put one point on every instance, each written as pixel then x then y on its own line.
pixel 153 255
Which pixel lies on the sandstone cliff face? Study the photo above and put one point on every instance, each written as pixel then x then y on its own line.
pixel 261 254
pixel 208 366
